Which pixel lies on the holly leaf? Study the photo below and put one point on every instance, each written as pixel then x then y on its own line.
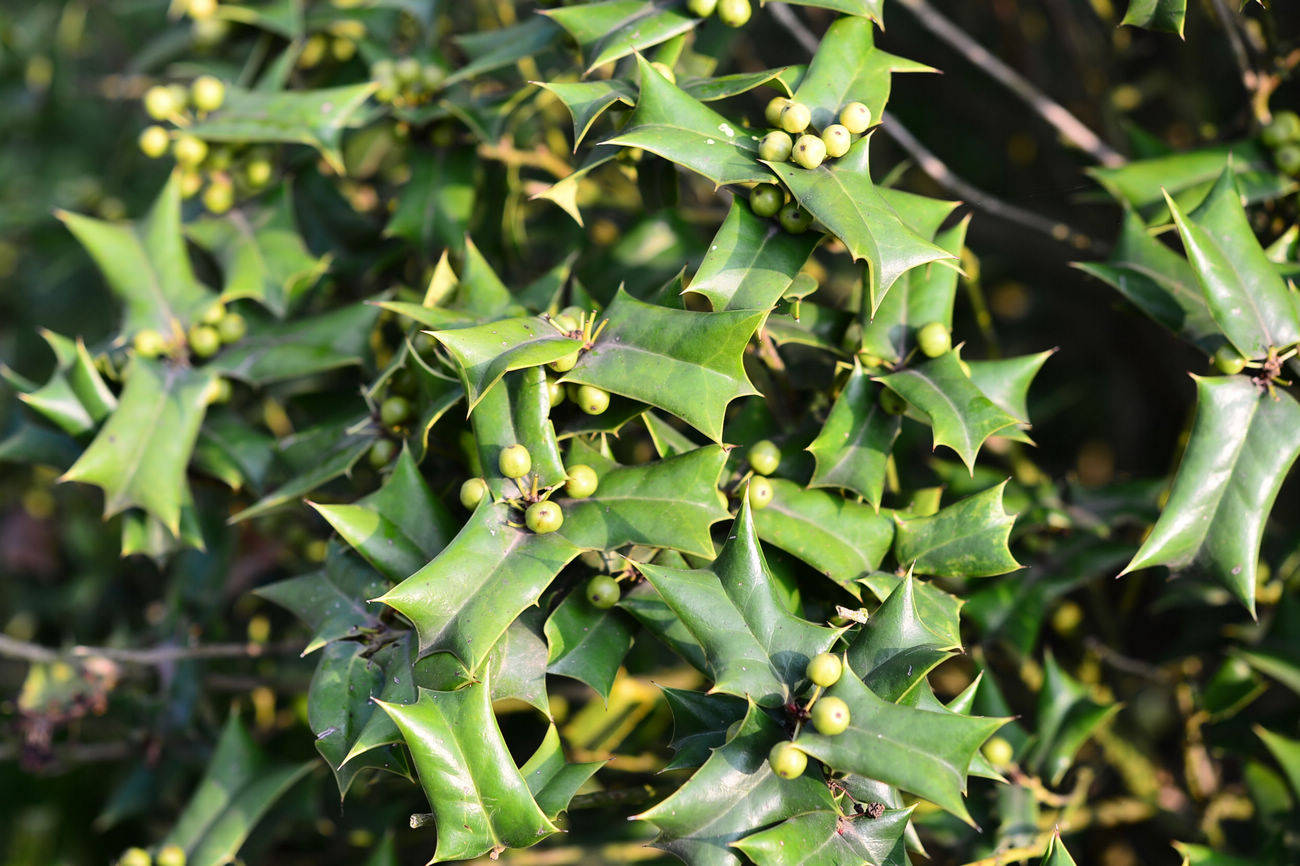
pixel 840 538
pixel 238 787
pixel 1168 16
pixel 683 130
pixel 587 643
pixel 75 397
pixel 613 29
pixel 146 264
pixel 751 262
pixel 141 453
pixel 332 601
pixel 965 539
pixel 464 600
pixel 700 724
pixel 480 800
pixel 435 207
pixel 1246 295
pixel 733 794
pixel 1056 855
pixel 715 88
pixel 1006 382
pixel 551 778
pixel 842 197
pixel 1242 445
pixel 276 351
pixel 828 838
pixel 517 414
pixel 854 444
pixel 485 353
pixel 686 363
pixel 754 645
pixel 1067 717
pixel 921 752
pixel 648 608
pixel 587 100
pixel 896 648
pixel 1285 751
pixel 315 457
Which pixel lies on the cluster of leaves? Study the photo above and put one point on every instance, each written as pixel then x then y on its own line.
pixel 401 336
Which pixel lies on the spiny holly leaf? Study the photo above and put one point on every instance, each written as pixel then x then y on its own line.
pixel 332 601
pixel 1157 281
pixel 648 608
pixel 146 264
pixel 923 698
pixel 961 416
pixel 939 610
pixel 399 527
pixel 239 786
pixel 755 647
pixel 1056 854
pixel 586 642
pixel 75 397
pixel 924 753
pixel 896 648
pixel 276 351
pixel 1166 15
pixel 667 503
pixel 493 49
pixel 966 539
pixel 551 778
pixel 1242 444
pixel 141 453
pixel 262 254
pixel 313 117
pixel 587 100
pixel 435 207
pixel 684 362
pixel 1067 717
pixel 733 794
pixel 480 800
pixel 751 261
pixel 855 442
pixel 671 124
pixel 485 353
pixel 700 724
pixel 713 89
pixel 314 457
pixel 464 600
pixel 1245 293
pixel 1285 751
pixel 613 29
pixel 827 838
pixel 1006 382
pixel 1201 855
pixel 564 192
pixel 842 539
pixel 842 197
pixel 516 666
pixel 849 68
pixel 517 413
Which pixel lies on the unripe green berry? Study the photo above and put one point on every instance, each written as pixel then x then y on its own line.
pixel 213 314
pixel 154 141
pixel 824 669
pixel 1067 618
pixel 554 392
pixel 472 491
pixel 776 146
pixel 591 399
pixel 189 151
pixel 1287 158
pixel 934 339
pixel 764 456
pixel 734 13
pixel 394 411
pixel 830 716
pixel 565 364
pixel 1228 360
pixel 855 117
pixel 232 328
pixel 258 171
pixel 582 481
pixel 765 200
pixel 382 453
pixel 837 139
pixel 665 70
pixel 149 343
pixel 219 197
pixel 999 752
pixel 794 219
pixel 204 341
pixel 565 322
pixel 191 183
pixel 407 70
pixel 603 592
pixel 160 103
pixel 220 392
pixel 795 117
pixel 171 855
pixel 201 10
pixel 1284 127
pixel 891 402
pixel 759 492
pixel 135 857
pixel 787 761
pixel 702 8
pixel 207 93
pixel 809 151
pixel 543 517
pixel 343 49
pixel 432 76
pixel 515 461
pixel 772 113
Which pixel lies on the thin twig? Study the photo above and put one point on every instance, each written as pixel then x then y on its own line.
pixel 13 648
pixel 1069 126
pixel 505 152
pixel 1250 77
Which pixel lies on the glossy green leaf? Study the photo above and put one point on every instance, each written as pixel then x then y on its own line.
pixel 1201 855
pixel 334 601
pixel 274 351
pixel 481 801
pixel 1166 15
pixel 1242 444
pixel 648 608
pixel 872 9
pixel 564 192
pixel 1006 382
pixel 965 539
pixel 938 610
pixel 897 648
pixel 329 450
pixel 517 413
pixel 1056 854
pixel 1067 717
pixel 587 643
pixel 1286 752
pixel 551 778
pixel 700 724
pixel 485 353
pixel 712 89
pixel 854 444
pixel 611 29
pixel 494 49
pixel 683 362
pixel 587 101
pixel 435 207
pixel 751 261
pixel 75 397
pixel 826 838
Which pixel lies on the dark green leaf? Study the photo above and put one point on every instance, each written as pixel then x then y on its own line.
pixel 435 208
pixel 854 444
pixel 333 602
pixel 750 262
pixel 1166 15
pixel 1067 717
pixel 552 780
pixel 700 724
pixel 587 643
pixel 825 838
pixel 485 353
pixel 966 539
pixel 611 29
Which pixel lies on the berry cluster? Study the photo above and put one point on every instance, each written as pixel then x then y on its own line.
pixel 217 327
pixel 541 515
pixel 829 716
pixel 809 150
pixel 407 82
pixel 764 458
pixel 340 43
pixel 733 13
pixel 168 855
pixel 1282 136
pixel 573 322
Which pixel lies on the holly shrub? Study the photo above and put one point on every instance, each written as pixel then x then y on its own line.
pixel 539 432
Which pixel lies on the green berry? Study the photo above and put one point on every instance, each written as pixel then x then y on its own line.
pixel 220 392
pixel 830 716
pixel 149 343
pixel 543 517
pixel 204 341
pixel 765 200
pixel 809 151
pixel 554 392
pixel 734 13
pixel 891 402
pixel 787 761
pixel 515 461
pixel 794 219
pixel 432 76
pixel 999 752
pixel 665 70
pixel 171 855
pixel 258 171
pixel 382 453
pixel 855 117
pixel 824 669
pixel 764 456
pixel 702 8
pixel 1284 127
pixel 394 411
pixel 582 481
pixel 1287 158
pixel 213 314
pixel 207 93
pixel 772 113
pixel 154 141
pixel 603 592
pixel 232 328
pixel 759 493
pixel 565 322
pixel 160 102
pixel 837 139
pixel 592 400
pixel 1228 360
pixel 472 491
pixel 191 183
pixel 565 364
pixel 135 857
pixel 934 339
pixel 189 151
pixel 776 146
pixel 219 197
pixel 201 10
pixel 407 70
pixel 795 117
